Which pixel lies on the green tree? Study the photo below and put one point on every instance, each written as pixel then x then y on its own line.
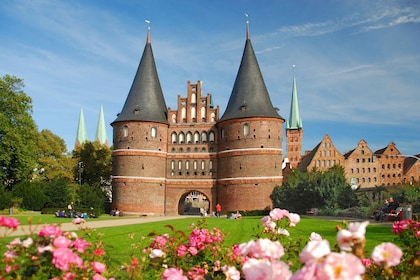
pixel 92 197
pixel 18 133
pixel 53 159
pixel 5 198
pixel 58 194
pixel 31 194
pixel 94 163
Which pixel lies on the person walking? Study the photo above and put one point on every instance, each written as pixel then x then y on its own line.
pixel 218 210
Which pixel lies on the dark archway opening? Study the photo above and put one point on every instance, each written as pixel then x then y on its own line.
pixel 194 203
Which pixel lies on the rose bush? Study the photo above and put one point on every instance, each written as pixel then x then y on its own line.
pixel 202 254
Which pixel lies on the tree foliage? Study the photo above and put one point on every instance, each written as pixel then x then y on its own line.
pixel 94 163
pixel 58 193
pixel 305 190
pixel 18 132
pixel 53 159
pixel 31 194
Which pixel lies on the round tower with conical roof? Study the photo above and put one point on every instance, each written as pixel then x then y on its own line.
pixel 140 143
pixel 250 144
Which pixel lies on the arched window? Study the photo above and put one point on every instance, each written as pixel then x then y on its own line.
pixel 187 165
pixel 153 132
pixel 211 137
pixel 193 113
pixel 173 118
pixel 211 165
pixel 193 98
pixel 246 129
pixel 189 137
pixel 181 138
pixel 196 137
pixel 180 165
pixel 212 117
pixel 204 137
pixel 172 165
pixel 125 131
pixel 183 113
pixel 203 113
pixel 173 137
pixel 203 164
pixel 195 165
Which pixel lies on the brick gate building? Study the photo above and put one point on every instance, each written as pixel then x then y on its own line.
pixel 162 155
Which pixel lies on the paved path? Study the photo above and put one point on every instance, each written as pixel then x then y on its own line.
pixel 92 223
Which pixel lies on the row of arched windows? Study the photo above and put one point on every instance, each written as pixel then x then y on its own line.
pixel 190 138
pixel 194 167
pixel 388 166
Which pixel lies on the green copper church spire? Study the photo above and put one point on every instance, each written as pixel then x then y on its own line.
pixel 294 122
pixel 81 130
pixel 101 129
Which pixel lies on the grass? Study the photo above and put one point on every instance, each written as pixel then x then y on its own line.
pixel 119 245
pixel 239 231
pixel 38 218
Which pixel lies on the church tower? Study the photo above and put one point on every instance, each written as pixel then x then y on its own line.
pixel 140 143
pixel 101 129
pixel 250 143
pixel 81 136
pixel 294 130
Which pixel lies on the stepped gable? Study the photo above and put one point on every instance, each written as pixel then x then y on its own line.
pixel 145 101
pixel 307 159
pixel 249 97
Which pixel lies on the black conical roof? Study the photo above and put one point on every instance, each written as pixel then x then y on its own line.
pixel 145 101
pixel 249 97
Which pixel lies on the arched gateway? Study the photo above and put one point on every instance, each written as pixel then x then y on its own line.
pixel 194 203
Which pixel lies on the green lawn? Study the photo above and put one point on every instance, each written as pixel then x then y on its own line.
pixel 239 231
pixel 38 218
pixel 119 245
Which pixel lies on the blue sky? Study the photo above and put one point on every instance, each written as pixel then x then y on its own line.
pixel 357 62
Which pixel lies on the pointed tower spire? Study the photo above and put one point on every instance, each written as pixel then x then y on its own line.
pixel 249 97
pixel 145 101
pixel 101 129
pixel 294 122
pixel 81 130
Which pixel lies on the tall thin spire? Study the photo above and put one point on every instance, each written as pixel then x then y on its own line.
pixel 249 97
pixel 145 101
pixel 148 31
pixel 295 121
pixel 101 129
pixel 81 130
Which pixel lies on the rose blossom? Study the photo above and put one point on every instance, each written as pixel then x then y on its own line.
pixel 308 271
pixel 64 257
pixel 9 222
pixel 277 214
pixel 294 219
pixel 262 248
pixel 50 231
pixel 387 253
pixel 345 240
pixel 27 242
pixel 98 267
pixel 173 273
pixel 80 245
pixel 314 250
pixel 358 230
pixel 182 250
pixel 340 266
pixel 156 253
pixel 399 226
pixel 264 269
pixel 315 237
pixel 62 242
pixel 98 277
pixel 231 272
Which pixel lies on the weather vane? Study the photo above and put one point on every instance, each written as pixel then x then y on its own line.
pixel 148 22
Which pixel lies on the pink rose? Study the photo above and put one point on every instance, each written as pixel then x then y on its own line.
pixel 173 273
pixel 80 245
pixel 63 257
pixel 358 230
pixel 314 250
pixel 257 269
pixel 182 250
pixel 231 272
pixel 50 231
pixel 294 219
pixel 262 248
pixel 387 253
pixel 277 214
pixel 98 267
pixel 62 242
pixel 9 222
pixel 340 266
pixel 156 253
pixel 98 277
pixel 315 237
